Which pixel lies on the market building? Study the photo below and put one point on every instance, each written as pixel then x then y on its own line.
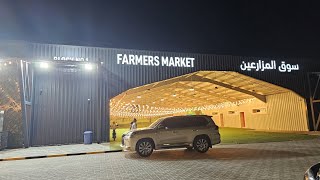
pixel 51 94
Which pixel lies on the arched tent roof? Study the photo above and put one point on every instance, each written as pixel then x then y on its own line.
pixel 197 90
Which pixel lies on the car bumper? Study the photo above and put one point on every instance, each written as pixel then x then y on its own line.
pixel 216 139
pixel 127 144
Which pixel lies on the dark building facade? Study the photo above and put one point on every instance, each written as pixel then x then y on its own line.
pixel 60 103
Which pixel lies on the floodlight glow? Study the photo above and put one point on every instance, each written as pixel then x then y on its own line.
pixel 88 67
pixel 44 65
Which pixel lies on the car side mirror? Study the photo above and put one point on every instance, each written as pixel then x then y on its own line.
pixel 161 126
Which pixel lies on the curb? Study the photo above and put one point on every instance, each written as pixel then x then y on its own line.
pixel 57 155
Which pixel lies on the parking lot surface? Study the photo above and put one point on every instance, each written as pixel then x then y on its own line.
pixel 277 160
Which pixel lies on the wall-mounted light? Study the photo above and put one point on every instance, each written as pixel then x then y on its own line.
pixel 191 89
pixel 138 97
pixel 88 67
pixel 174 95
pixel 44 65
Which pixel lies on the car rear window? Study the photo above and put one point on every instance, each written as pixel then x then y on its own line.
pixel 197 121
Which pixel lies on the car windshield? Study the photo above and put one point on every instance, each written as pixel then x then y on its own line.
pixel 154 124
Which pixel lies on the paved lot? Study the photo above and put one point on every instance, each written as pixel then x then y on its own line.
pixel 280 160
pixel 51 150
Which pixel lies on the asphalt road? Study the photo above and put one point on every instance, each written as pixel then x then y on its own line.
pixel 279 160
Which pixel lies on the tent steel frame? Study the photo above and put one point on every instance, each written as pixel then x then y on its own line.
pixel 314 100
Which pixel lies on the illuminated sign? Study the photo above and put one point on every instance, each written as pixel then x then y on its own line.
pixel 66 58
pixel 262 66
pixel 147 60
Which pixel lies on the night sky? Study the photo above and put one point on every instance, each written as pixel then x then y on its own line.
pixel 256 28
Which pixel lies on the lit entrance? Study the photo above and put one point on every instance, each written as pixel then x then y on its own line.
pixel 231 98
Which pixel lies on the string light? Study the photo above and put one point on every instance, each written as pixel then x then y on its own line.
pixel 4 64
pixel 137 110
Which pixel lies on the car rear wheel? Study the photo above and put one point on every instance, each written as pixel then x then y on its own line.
pixel 144 148
pixel 201 144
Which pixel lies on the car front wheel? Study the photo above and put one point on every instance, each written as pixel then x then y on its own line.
pixel 144 148
pixel 201 144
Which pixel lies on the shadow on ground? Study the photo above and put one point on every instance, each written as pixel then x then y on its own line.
pixel 218 154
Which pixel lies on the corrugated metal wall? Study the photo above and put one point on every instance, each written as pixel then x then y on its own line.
pixel 285 112
pixel 66 103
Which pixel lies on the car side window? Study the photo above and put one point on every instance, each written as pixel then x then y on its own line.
pixel 184 122
pixel 173 123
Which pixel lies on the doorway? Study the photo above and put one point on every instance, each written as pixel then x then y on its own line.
pixel 221 120
pixel 242 120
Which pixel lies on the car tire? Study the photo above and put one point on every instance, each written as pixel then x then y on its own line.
pixel 201 144
pixel 144 147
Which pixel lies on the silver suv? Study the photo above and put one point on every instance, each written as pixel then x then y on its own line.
pixel 197 131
